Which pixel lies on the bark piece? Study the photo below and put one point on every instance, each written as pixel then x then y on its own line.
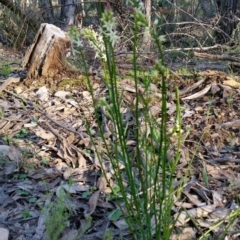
pixel 45 57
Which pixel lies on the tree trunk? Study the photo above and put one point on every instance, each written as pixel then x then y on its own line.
pixel 46 10
pixel 68 12
pixel 227 10
pixel 209 8
pixel 45 58
pixel 147 35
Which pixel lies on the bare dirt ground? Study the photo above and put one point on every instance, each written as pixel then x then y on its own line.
pixel 46 147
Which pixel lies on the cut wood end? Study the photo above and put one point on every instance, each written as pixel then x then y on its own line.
pixel 56 31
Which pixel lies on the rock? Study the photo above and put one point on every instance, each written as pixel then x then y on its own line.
pixel 4 233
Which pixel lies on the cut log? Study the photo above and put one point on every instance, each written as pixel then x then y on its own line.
pixel 45 57
pixel 217 57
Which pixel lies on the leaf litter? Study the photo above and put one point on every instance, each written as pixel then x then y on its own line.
pixel 56 152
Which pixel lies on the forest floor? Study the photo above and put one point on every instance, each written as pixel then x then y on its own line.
pixel 45 147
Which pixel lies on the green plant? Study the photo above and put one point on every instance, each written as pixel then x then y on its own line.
pixel 16 28
pixel 114 215
pixel 185 71
pixel 1 113
pixel 84 229
pixel 6 69
pixel 22 134
pixel 45 161
pixel 230 219
pixel 8 139
pixel 22 192
pixel 205 175
pixel 86 194
pixel 108 235
pixel 57 216
pixel 26 214
pixel 32 200
pixel 20 176
pixel 148 199
pixel 27 160
pixel 230 100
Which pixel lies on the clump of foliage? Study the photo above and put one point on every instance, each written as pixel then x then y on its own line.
pixel 6 69
pixel 57 216
pixel 148 199
pixel 16 29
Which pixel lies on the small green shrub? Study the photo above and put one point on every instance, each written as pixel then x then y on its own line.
pixel 57 216
pixel 6 70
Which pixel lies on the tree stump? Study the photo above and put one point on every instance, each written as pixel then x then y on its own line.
pixel 45 57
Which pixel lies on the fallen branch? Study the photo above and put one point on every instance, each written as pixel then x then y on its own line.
pixel 197 48
pixel 8 82
pixel 217 57
pixel 235 123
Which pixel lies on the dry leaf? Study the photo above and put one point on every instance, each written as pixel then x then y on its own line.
pixel 187 233
pixel 183 205
pixel 102 183
pixel 217 199
pixel 82 163
pixel 4 150
pixel 215 89
pixel 231 82
pixel 155 110
pixel 8 82
pixel 106 205
pixel 92 203
pixel 70 138
pixel 185 216
pixel 204 223
pixel 62 94
pixel 219 214
pixel 15 155
pixel 193 198
pixel 5 104
pixel 188 113
pixel 76 187
pixel 10 168
pixel 42 133
pixel 69 234
pixel 190 88
pixel 235 123
pixel 121 224
pixel 42 93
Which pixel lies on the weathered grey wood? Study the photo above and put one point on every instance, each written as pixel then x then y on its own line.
pixel 68 12
pixel 45 57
